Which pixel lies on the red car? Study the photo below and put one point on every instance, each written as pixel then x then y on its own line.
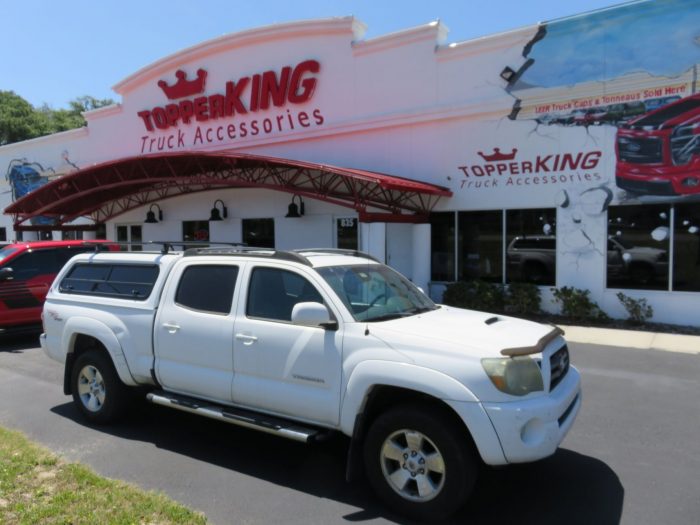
pixel 659 152
pixel 27 270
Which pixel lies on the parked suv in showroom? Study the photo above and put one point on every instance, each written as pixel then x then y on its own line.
pixel 27 269
pixel 532 258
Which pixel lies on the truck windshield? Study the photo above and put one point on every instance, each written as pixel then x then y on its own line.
pixel 6 252
pixel 374 292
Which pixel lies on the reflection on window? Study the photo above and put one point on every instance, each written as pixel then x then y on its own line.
pixel 531 253
pixel 480 246
pixel 273 293
pixel 686 248
pixel 259 232
pixel 442 240
pixel 638 244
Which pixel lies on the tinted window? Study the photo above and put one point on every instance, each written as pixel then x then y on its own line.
pixel 32 264
pixel 259 232
pixel 111 280
pixel 273 293
pixel 208 288
pixel 532 257
pixel 642 235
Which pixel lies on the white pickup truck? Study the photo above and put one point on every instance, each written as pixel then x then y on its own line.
pixel 304 343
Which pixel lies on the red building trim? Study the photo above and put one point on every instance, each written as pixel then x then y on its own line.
pixel 105 191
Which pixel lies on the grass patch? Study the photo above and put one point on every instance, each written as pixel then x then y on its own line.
pixel 38 487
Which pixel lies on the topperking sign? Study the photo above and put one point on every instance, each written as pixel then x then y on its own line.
pixel 226 115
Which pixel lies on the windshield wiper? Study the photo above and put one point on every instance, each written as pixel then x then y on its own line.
pixel 388 317
pixel 423 310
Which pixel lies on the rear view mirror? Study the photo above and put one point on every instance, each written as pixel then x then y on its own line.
pixel 6 274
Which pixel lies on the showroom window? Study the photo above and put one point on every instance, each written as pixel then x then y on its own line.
pixel 496 245
pixel 259 232
pixel 480 246
pixel 654 247
pixel 531 248
pixel 197 231
pixel 686 248
pixel 442 242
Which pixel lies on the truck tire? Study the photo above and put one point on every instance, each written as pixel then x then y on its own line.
pixel 419 462
pixel 97 390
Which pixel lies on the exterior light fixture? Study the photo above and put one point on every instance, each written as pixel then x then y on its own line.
pixel 215 214
pixel 151 215
pixel 294 211
pixel 507 74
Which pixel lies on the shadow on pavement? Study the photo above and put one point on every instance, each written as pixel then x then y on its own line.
pixel 565 488
pixel 18 343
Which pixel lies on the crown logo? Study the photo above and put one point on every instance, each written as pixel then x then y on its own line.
pixel 497 155
pixel 183 87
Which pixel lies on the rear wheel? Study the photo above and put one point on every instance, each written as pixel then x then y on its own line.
pixel 97 390
pixel 420 462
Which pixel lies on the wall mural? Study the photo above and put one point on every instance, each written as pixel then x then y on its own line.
pixel 615 94
pixel 24 176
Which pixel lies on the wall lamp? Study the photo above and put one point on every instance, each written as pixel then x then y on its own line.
pixel 294 211
pixel 215 214
pixel 151 216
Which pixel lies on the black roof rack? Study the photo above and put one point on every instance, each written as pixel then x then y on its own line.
pixel 339 251
pixel 250 251
pixel 167 246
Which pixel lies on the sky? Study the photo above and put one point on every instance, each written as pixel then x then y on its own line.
pixel 579 49
pixel 54 51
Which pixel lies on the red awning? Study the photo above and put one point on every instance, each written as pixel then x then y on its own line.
pixel 104 191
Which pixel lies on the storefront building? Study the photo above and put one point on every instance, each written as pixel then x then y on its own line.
pixel 565 154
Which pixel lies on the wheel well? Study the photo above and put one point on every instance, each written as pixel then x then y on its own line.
pixel 382 398
pixel 82 343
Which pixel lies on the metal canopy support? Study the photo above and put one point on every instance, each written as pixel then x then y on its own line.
pixel 106 191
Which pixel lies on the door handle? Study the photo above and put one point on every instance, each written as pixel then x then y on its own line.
pixel 171 327
pixel 247 339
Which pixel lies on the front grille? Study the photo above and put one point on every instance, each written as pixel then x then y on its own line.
pixel 559 366
pixel 639 150
pixel 646 187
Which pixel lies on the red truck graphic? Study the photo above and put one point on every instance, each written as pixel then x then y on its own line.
pixel 658 153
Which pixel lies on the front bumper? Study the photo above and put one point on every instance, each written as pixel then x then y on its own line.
pixel 532 429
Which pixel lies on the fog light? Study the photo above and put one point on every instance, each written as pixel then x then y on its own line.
pixel 533 432
pixel 690 182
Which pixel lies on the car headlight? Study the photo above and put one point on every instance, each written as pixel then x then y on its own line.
pixel 517 376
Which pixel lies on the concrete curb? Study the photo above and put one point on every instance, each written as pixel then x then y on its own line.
pixel 686 344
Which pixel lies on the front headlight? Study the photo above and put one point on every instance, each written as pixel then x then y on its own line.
pixel 517 376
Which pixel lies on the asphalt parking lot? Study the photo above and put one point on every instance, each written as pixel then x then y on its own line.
pixel 633 455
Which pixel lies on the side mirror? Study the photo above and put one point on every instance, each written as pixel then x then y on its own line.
pixel 6 274
pixel 313 314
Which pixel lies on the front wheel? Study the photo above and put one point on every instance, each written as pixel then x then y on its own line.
pixel 97 390
pixel 420 462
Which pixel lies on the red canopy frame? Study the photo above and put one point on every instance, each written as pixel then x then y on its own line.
pixel 105 191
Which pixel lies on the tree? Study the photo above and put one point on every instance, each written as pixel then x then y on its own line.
pixel 19 120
